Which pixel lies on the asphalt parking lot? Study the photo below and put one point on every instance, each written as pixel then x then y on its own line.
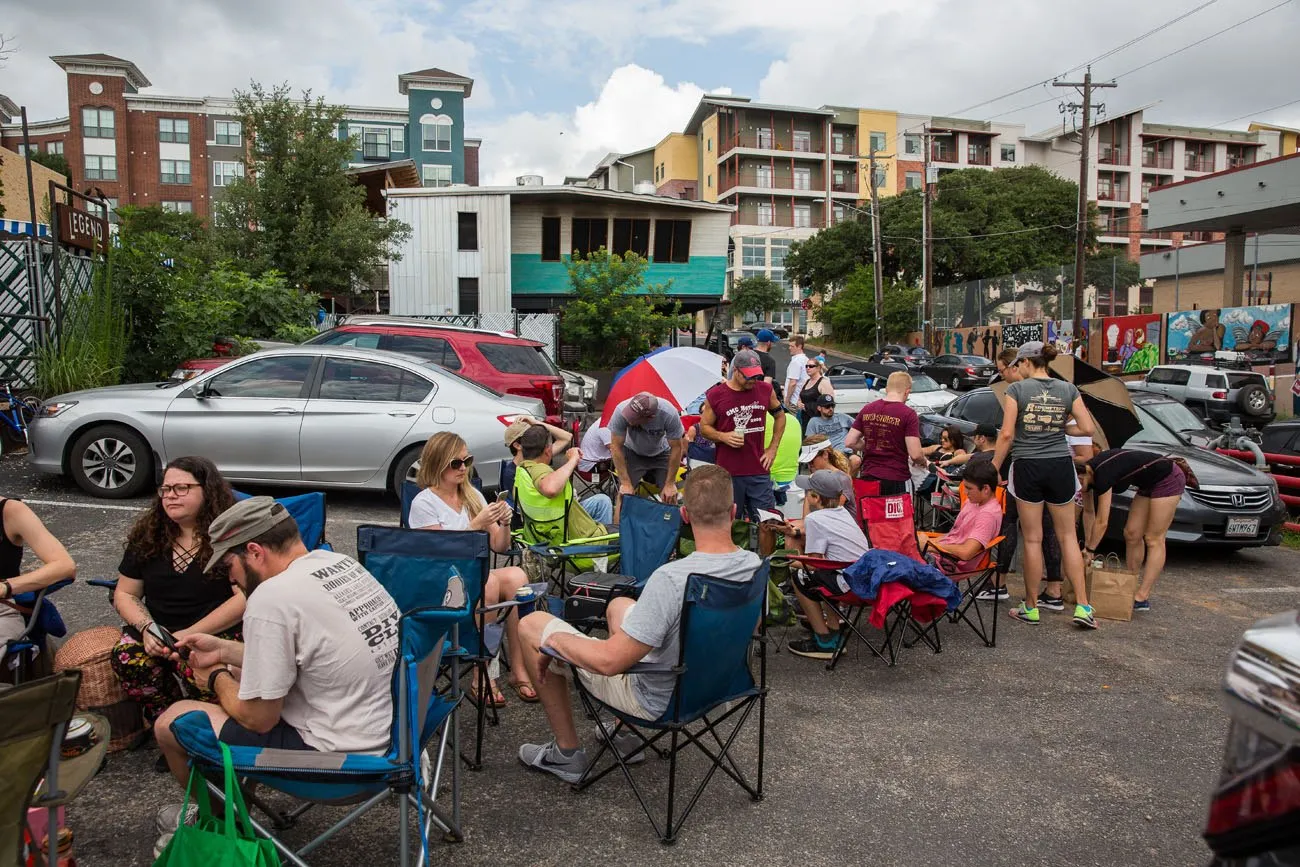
pixel 1057 747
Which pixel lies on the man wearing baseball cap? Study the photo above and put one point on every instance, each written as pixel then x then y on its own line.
pixel 829 531
pixel 560 437
pixel 646 442
pixel 320 638
pixel 827 421
pixel 733 417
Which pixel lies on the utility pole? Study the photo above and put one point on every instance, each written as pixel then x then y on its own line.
pixel 876 248
pixel 927 241
pixel 1080 229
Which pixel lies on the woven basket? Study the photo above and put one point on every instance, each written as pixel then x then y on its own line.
pixel 100 691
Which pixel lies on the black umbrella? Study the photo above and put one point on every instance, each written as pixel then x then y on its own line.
pixel 1106 398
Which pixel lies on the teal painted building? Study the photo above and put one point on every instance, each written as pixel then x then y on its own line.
pixel 429 131
pixel 498 249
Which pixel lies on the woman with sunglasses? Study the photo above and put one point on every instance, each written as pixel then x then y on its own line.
pixel 161 587
pixel 449 501
pixel 817 384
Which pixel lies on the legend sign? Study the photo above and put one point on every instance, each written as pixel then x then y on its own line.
pixel 80 229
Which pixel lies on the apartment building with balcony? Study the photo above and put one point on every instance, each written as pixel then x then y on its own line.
pixel 1129 157
pixel 179 152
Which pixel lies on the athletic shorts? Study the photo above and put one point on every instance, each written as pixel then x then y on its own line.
pixel 615 690
pixel 1043 480
pixel 1171 485
pixel 281 737
pixel 751 493
pixel 811 582
pixel 653 470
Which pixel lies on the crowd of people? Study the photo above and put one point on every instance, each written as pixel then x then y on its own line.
pixel 226 612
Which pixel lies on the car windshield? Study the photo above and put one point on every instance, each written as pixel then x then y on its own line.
pixel 517 358
pixel 922 384
pixel 1174 416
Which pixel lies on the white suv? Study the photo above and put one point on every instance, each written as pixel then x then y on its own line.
pixel 1213 393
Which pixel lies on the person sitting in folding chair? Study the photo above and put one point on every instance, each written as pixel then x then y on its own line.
pixel 320 642
pixel 977 524
pixel 560 438
pixel 643 630
pixel 831 532
pixel 646 442
pixel 541 488
pixel 19 528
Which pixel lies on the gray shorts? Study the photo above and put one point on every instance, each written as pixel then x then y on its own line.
pixel 641 468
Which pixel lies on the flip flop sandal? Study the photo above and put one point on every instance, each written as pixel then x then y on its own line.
pixel 519 686
pixel 494 697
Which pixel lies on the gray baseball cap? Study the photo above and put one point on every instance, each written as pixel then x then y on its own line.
pixel 1032 349
pixel 241 523
pixel 827 484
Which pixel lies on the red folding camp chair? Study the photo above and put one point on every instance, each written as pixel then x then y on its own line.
pixel 897 611
pixel 888 519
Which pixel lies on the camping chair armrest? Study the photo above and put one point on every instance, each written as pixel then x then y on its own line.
pixel 539 591
pixel 814 562
pixel 110 583
pixel 636 668
pixel 35 599
pixel 572 550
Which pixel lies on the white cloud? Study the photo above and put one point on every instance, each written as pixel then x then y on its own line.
pixel 634 109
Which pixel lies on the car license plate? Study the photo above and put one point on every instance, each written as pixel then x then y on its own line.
pixel 1242 527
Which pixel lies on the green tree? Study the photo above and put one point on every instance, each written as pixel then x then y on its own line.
pixel 613 315
pixel 826 260
pixel 295 211
pixel 851 311
pixel 756 295
pixel 54 162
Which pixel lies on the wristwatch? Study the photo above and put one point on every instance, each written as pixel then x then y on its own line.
pixel 212 678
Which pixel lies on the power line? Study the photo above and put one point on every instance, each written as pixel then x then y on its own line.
pixel 1203 40
pixel 1261 111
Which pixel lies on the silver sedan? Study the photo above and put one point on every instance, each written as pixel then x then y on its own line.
pixel 318 416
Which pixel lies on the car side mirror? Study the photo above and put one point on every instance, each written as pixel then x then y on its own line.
pixel 943 386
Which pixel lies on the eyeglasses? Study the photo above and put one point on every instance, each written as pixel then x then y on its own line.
pixel 179 490
pixel 458 464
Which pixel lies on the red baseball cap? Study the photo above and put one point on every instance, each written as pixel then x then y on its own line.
pixel 746 361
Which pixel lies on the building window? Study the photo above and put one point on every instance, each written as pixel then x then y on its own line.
pixel 436 176
pixel 780 249
pixel 174 130
pixel 1008 153
pixel 174 171
pixel 374 144
pixel 880 176
pixel 803 216
pixel 753 252
pixel 803 141
pixel 710 145
pixel 112 210
pixel 101 168
pixel 224 173
pixel 550 239
pixel 765 138
pixel 837 142
pixel 467 231
pixel 802 178
pixel 97 122
pixel 710 183
pixel 765 214
pixel 467 293
pixel 877 141
pixel 435 133
pixel 397 139
pixel 178 207
pixel 231 132
pixel 672 240
pixel 840 213
pixel 632 236
pixel 763 177
pixel 23 149
pixel 913 145
pixel 589 235
pixel 912 181
pixel 54 147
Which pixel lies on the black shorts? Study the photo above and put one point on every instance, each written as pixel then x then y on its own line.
pixel 1043 480
pixel 811 583
pixel 281 737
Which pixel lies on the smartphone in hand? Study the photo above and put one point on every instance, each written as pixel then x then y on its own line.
pixel 169 641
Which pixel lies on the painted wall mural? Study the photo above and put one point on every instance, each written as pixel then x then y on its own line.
pixel 1130 344
pixel 1261 332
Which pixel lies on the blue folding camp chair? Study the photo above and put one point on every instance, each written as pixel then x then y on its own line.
pixel 42 620
pixel 420 713
pixel 648 534
pixel 713 670
pixel 389 553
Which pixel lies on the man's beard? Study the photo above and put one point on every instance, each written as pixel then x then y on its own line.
pixel 252 579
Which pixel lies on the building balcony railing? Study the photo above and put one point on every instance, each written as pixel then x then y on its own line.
pixel 775 141
pixel 1199 236
pixel 1239 160
pixel 1157 160
pixel 780 183
pixel 849 185
pixel 1154 235
pixel 978 156
pixel 1112 194
pixel 1198 164
pixel 1113 155
pixel 943 155
pixel 782 219
pixel 848 147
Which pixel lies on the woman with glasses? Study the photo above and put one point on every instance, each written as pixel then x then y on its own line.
pixel 817 384
pixel 449 501
pixel 162 590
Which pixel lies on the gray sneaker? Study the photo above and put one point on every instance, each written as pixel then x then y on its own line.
pixel 169 817
pixel 547 757
pixel 629 746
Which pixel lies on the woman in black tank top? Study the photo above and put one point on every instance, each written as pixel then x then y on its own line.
pixel 19 529
pixel 815 387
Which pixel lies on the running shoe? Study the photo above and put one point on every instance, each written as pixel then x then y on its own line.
pixel 991 594
pixel 1025 614
pixel 1142 605
pixel 813 648
pixel 549 758
pixel 1083 617
pixel 1056 603
pixel 631 747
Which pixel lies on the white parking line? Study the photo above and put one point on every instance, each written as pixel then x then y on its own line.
pixel 83 505
pixel 1262 590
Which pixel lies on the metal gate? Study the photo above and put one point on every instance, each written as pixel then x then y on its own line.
pixel 28 317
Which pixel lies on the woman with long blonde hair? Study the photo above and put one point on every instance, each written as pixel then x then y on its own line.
pixel 449 501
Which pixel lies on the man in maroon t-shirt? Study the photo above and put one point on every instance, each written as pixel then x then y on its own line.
pixel 888 434
pixel 733 416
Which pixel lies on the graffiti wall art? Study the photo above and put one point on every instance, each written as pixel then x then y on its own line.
pixel 1262 333
pixel 1130 344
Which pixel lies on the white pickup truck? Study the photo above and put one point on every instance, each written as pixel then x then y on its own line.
pixel 854 391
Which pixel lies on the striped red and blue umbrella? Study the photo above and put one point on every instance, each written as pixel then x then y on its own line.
pixel 677 375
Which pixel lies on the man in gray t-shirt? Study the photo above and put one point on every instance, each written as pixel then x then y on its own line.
pixel 645 630
pixel 646 443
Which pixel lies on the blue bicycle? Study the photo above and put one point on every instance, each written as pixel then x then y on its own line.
pixel 16 412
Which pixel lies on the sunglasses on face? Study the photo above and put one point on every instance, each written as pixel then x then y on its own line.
pixel 461 464
pixel 179 490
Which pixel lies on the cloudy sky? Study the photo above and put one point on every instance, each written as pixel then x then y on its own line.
pixel 558 83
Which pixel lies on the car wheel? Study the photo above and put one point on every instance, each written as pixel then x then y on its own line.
pixel 956 383
pixel 404 469
pixel 112 462
pixel 1253 400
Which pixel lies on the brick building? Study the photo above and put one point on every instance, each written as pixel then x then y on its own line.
pixel 178 152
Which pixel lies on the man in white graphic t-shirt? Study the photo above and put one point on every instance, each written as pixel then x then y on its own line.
pixel 320 638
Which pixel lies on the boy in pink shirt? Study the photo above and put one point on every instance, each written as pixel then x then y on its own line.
pixel 977 524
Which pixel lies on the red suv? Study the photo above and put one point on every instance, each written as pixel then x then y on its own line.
pixel 497 359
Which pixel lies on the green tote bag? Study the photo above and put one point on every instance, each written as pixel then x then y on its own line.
pixel 213 842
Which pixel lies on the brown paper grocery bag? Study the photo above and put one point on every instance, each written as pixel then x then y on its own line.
pixel 1111 588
